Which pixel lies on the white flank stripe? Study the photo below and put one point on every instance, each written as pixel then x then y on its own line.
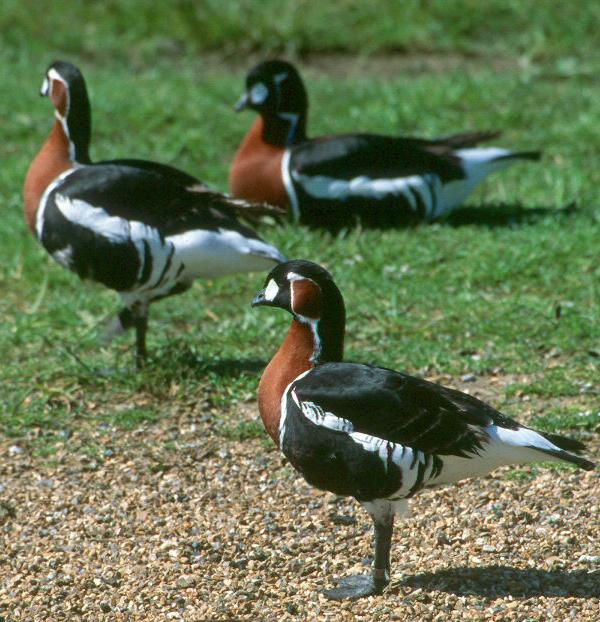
pixel 122 231
pixel 289 186
pixel 96 219
pixel 402 457
pixel 39 219
pixel 483 157
pixel 504 447
pixel 203 253
pixel 318 416
pixel 322 187
pixel 211 254
pixel 405 458
pixel 521 437
pixel 283 409
pixel 477 164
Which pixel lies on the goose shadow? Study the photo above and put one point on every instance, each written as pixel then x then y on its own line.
pixel 179 360
pixel 501 581
pixel 490 215
pixel 504 215
pixel 228 367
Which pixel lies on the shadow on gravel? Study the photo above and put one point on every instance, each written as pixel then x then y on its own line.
pixel 499 581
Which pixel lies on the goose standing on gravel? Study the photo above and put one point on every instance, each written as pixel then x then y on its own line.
pixel 369 432
pixel 332 180
pixel 143 229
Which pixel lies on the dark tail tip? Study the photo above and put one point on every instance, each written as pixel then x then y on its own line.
pixel 587 465
pixel 564 442
pixel 469 139
pixel 582 463
pixel 566 445
pixel 534 156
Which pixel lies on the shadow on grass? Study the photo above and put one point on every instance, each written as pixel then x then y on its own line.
pixel 504 215
pixel 489 215
pixel 181 360
pixel 229 367
pixel 500 581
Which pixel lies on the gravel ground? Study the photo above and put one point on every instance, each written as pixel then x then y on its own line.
pixel 174 522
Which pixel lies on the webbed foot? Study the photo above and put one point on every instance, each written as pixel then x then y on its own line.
pixel 355 587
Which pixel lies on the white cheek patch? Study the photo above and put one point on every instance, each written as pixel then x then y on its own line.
pixel 271 291
pixel 45 90
pixel 258 93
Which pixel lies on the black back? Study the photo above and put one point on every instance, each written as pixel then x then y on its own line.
pixel 401 408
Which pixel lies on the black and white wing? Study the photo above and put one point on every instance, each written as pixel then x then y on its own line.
pixel 376 177
pixel 390 434
pixel 248 210
pixel 130 228
pixel 401 408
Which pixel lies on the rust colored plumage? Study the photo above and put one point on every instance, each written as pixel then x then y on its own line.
pixel 256 170
pixel 52 160
pixel 292 358
pixel 306 299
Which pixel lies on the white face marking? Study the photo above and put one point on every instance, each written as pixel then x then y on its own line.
pixel 292 118
pixel 280 77
pixel 294 276
pixel 46 90
pixel 271 291
pixel 39 219
pixel 50 77
pixel 258 93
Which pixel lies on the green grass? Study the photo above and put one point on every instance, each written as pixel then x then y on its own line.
pixel 243 430
pixel 140 31
pixel 477 297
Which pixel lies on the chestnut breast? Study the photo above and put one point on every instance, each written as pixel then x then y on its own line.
pixel 256 169
pixel 292 358
pixel 52 160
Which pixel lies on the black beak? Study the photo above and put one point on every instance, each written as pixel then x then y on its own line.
pixel 259 299
pixel 242 103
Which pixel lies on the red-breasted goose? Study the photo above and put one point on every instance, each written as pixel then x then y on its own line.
pixel 373 433
pixel 332 180
pixel 143 229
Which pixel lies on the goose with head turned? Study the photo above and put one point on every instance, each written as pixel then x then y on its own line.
pixel 332 180
pixel 373 433
pixel 143 229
